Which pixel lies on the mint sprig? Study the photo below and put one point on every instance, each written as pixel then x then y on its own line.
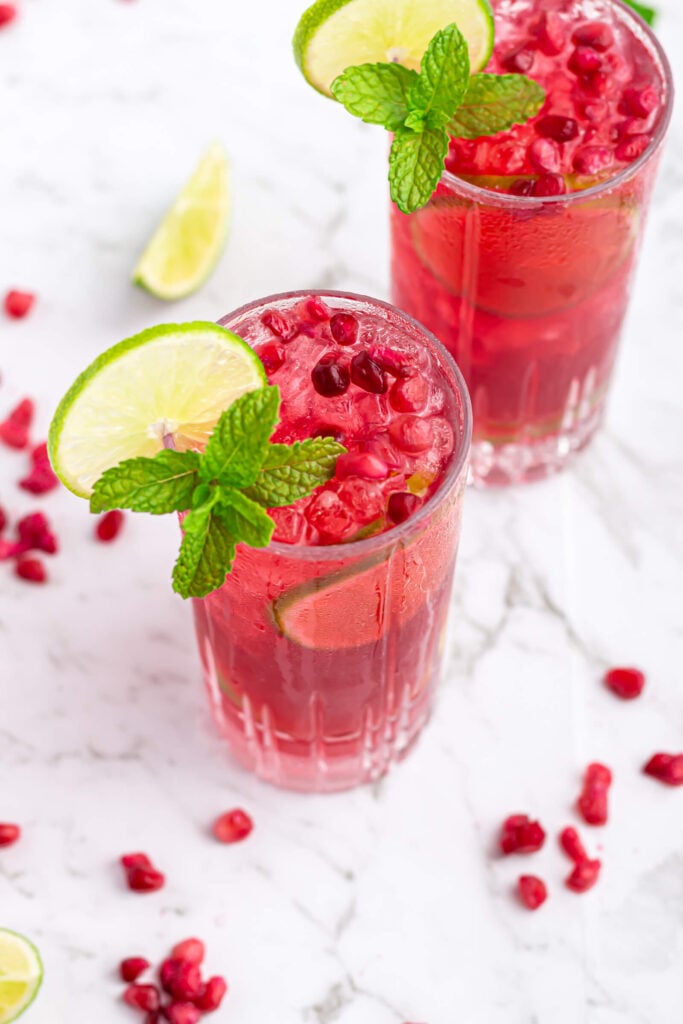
pixel 423 110
pixel 224 490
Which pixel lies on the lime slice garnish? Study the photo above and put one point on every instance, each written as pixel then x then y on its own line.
pixel 332 35
pixel 21 974
pixel 172 381
pixel 187 244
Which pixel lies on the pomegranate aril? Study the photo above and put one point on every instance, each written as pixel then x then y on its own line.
pixel 142 997
pixel 213 994
pixel 167 973
pixel 329 377
pixel 276 323
pixel 640 102
pixel 549 185
pixel 558 128
pixel 8 13
pixel 317 310
pixel 544 156
pixel 592 803
pixel 109 526
pixel 532 891
pixel 182 1013
pixel 11 549
pixel 627 683
pixel 367 374
pixel 584 876
pixel 522 187
pixel 344 328
pixel 233 826
pixel 35 534
pixel 40 480
pixel 363 464
pixel 272 355
pixel 14 431
pixel 630 149
pixel 411 434
pixel 595 34
pixel 185 983
pixel 409 395
pixel 585 61
pixel 666 768
pixel 132 967
pixel 17 304
pixel 592 159
pixel 599 774
pixel 402 505
pixel 145 880
pixel 549 34
pixel 519 60
pixel 398 364
pixel 9 833
pixel 572 845
pixel 192 950
pixel 31 569
pixel 135 860
pixel 519 834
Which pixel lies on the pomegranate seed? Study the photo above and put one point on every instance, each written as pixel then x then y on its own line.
pixel 544 156
pixel 584 876
pixel 592 159
pixel 627 683
pixel 549 34
pixel 145 880
pixel 9 833
pixel 520 834
pixel 8 13
pixel 402 505
pixel 397 364
pixel 212 995
pixel 409 395
pixel 595 34
pixel 132 967
pixel 549 185
pixel 185 982
pixel 272 355
pixel 9 549
pixel 592 803
pixel 585 61
pixel 532 891
pixel 412 434
pixel 572 845
pixel 31 569
pixel 522 187
pixel 142 997
pixel 18 304
pixel 35 534
pixel 329 377
pixel 40 480
pixel 344 328
pixel 666 768
pixel 317 310
pixel 14 431
pixel 367 374
pixel 167 973
pixel 631 149
pixel 519 60
pixel 276 323
pixel 109 526
pixel 135 860
pixel 233 826
pixel 640 102
pixel 560 129
pixel 182 1013
pixel 191 950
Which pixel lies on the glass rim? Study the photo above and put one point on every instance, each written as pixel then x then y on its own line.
pixel 486 195
pixel 358 548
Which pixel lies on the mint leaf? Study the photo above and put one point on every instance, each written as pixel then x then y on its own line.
pixel 245 519
pixel 206 553
pixel 648 14
pixel 444 73
pixel 237 446
pixel 164 483
pixel 416 165
pixel 292 471
pixel 377 93
pixel 494 103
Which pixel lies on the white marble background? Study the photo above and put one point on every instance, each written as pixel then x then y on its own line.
pixel 384 905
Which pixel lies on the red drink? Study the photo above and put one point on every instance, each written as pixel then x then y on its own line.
pixel 521 262
pixel 321 651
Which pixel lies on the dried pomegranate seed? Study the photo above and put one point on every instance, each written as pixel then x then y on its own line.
pixel 276 323
pixel 317 310
pixel 362 464
pixel 627 683
pixel 549 185
pixel 18 304
pixel 572 845
pixel 640 102
pixel 344 328
pixel 532 891
pixel 667 768
pixel 409 395
pixel 233 826
pixel 109 526
pixel 329 377
pixel 182 1013
pixel 584 876
pixel 212 995
pixel 558 128
pixel 185 981
pixel 142 997
pixel 272 355
pixel 31 569
pixel 9 833
pixel 367 374
pixel 596 34
pixel 14 431
pixel 519 60
pixel 520 834
pixel 192 950
pixel 402 505
pixel 592 803
pixel 35 534
pixel 132 967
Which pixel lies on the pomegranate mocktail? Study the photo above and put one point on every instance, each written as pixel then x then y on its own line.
pixel 321 651
pixel 522 260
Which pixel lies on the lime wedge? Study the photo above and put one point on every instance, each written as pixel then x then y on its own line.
pixel 334 34
pixel 170 381
pixel 21 974
pixel 187 244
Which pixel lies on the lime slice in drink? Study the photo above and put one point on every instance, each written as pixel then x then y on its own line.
pixel 21 974
pixel 334 34
pixel 172 381
pixel 187 244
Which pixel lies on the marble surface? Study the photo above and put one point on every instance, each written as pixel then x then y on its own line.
pixel 387 904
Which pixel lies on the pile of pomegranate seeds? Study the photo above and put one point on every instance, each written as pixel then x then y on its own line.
pixel 233 826
pixel 592 802
pixel 9 833
pixel 18 304
pixel 33 533
pixel 180 978
pixel 141 875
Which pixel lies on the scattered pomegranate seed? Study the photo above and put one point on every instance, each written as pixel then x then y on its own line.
pixel 520 834
pixel 109 526
pixel 9 833
pixel 167 973
pixel 135 860
pixel 184 981
pixel 35 534
pixel 11 549
pixel 362 464
pixel 14 431
pixel 8 13
pixel 572 845
pixel 41 478
pixel 132 967
pixel 666 768
pixel 584 876
pixel 367 374
pixel 532 891
pixel 233 826
pixel 192 950
pixel 212 995
pixel 592 803
pixel 329 377
pixel 344 328
pixel 142 997
pixel 141 874
pixel 18 304
pixel 182 1013
pixel 627 683
pixel 31 569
